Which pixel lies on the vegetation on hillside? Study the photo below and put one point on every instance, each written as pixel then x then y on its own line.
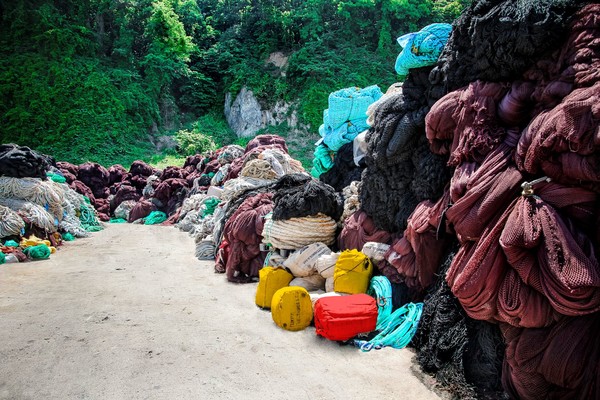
pixel 100 79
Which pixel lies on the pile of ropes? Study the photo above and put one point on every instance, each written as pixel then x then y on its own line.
pixel 37 213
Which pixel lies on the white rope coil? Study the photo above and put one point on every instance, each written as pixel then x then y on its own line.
pixel 296 233
pixel 10 222
pixel 72 225
pixel 205 249
pixel 32 212
pixel 351 200
pixel 260 169
pixel 34 190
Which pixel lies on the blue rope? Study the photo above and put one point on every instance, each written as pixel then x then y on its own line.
pixel 381 288
pixel 399 331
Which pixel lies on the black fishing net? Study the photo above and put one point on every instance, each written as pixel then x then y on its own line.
pixel 401 169
pixel 298 195
pixel 344 170
pixel 22 162
pixel 465 356
pixel 497 40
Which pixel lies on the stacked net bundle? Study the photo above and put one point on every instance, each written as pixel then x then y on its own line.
pixel 401 169
pixel 96 177
pixel 464 123
pixel 260 169
pixel 415 257
pixel 22 162
pixel 229 153
pixel 298 195
pixel 42 193
pixel 562 143
pixel 346 116
pixel 480 192
pixel 124 208
pixel 233 188
pixel 498 40
pixel 116 174
pixel 360 229
pixel 351 200
pixel 422 48
pixel 267 140
pixel 140 168
pixel 122 194
pixel 560 361
pixel 240 256
pixel 465 356
pixel 173 172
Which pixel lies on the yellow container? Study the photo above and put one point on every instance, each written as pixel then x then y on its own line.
pixel 270 280
pixel 291 308
pixel 352 272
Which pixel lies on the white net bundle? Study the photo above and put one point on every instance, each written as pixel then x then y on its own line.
pixel 122 211
pixel 235 187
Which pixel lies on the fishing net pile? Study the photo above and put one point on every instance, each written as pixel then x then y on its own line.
pixel 22 162
pixel 468 194
pixel 37 214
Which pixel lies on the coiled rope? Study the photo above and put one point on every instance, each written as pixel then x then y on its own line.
pixel 398 332
pixel 10 222
pixel 260 169
pixel 381 288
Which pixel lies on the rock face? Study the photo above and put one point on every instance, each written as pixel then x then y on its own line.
pixel 246 116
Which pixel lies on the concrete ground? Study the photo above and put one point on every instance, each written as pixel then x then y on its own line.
pixel 131 314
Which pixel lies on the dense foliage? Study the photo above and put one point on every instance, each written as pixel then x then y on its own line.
pixel 102 79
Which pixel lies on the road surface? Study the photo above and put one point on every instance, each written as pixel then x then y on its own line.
pixel 129 313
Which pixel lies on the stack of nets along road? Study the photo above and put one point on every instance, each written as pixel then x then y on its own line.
pixel 518 133
pixel 38 210
pixel 447 155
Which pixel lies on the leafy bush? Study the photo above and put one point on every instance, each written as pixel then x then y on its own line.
pixel 194 142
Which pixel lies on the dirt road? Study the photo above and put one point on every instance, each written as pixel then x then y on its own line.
pixel 131 314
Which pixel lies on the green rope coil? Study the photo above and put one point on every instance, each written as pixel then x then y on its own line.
pixel 11 243
pixel 381 289
pixel 39 252
pixel 88 219
pixel 2 258
pixel 67 237
pixel 399 331
pixel 155 217
pixel 118 221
